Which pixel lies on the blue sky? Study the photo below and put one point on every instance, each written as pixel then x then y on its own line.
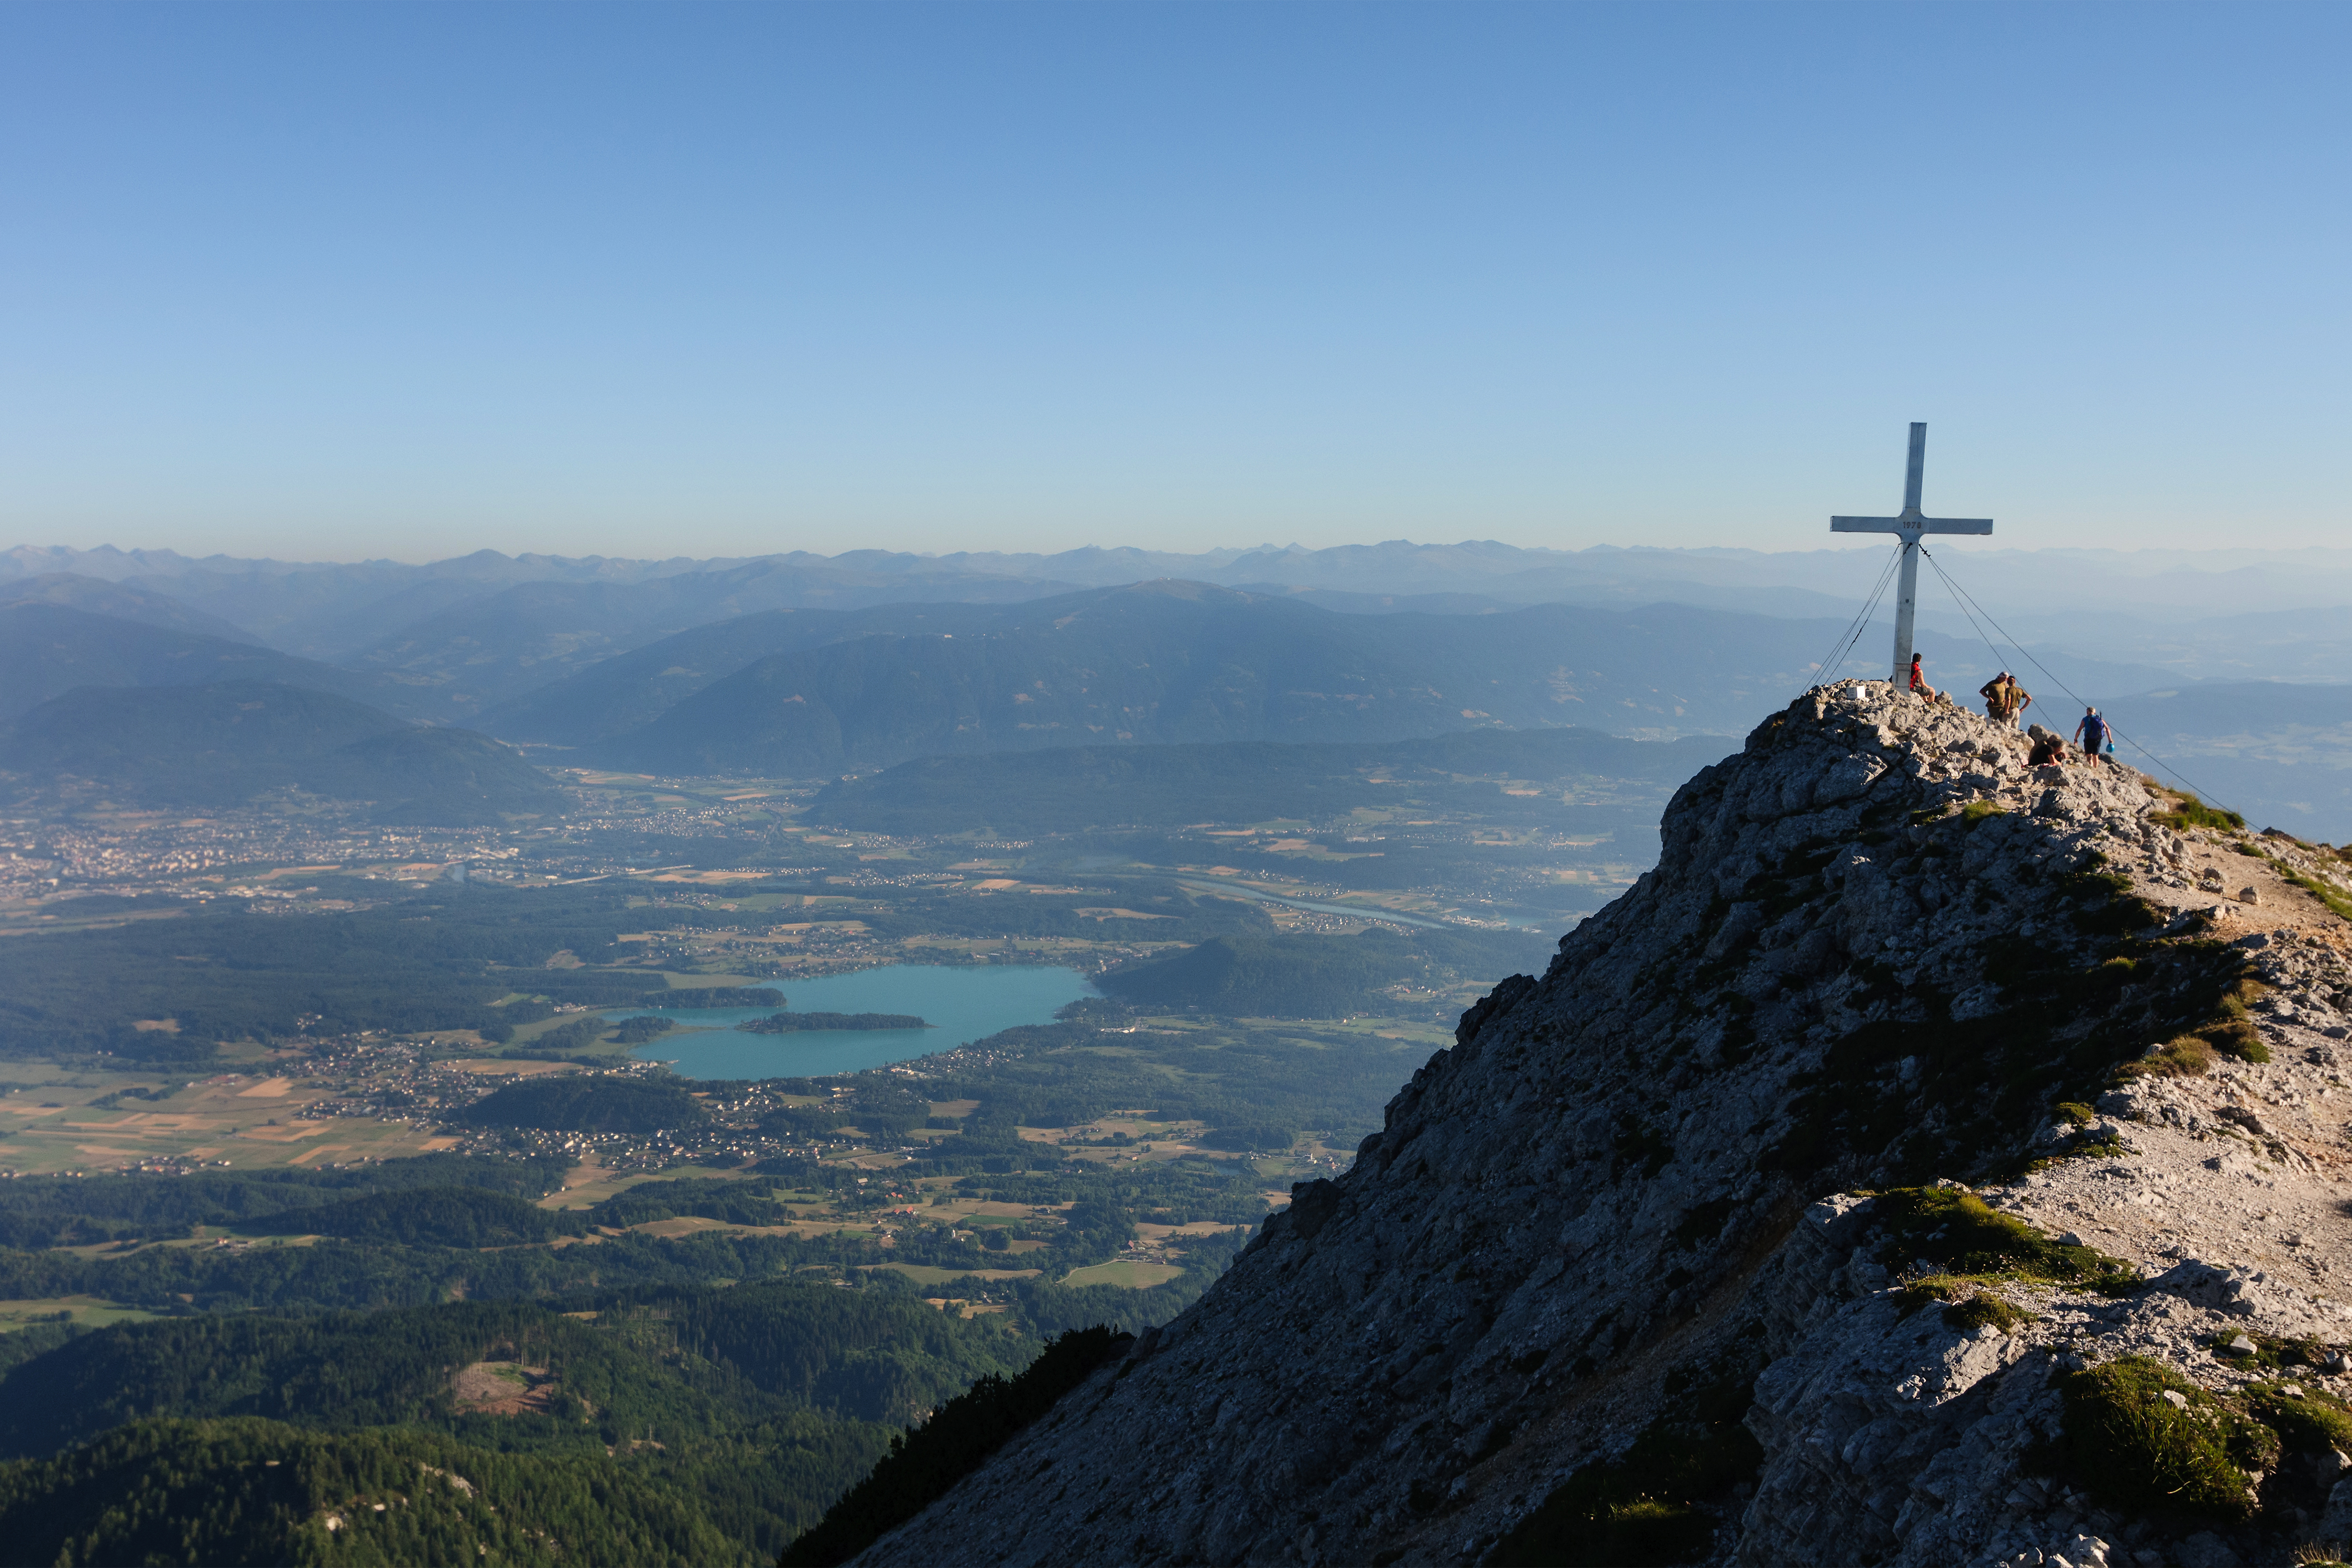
pixel 409 280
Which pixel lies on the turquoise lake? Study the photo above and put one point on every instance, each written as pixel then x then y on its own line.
pixel 963 1003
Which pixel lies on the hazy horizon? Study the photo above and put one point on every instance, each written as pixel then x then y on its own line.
pixel 2192 557
pixel 370 280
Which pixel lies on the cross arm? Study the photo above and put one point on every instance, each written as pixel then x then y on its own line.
pixel 1910 524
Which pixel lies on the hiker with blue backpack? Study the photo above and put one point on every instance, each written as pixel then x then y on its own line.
pixel 2092 733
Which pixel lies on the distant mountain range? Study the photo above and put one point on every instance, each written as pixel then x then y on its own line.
pixel 826 691
pixel 799 663
pixel 466 635
pixel 332 610
pixel 390 616
pixel 219 745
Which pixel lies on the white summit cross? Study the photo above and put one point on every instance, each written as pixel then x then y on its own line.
pixel 1910 526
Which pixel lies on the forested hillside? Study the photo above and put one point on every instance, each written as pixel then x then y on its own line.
pixel 40 1211
pixel 1185 663
pixel 240 1492
pixel 616 695
pixel 1314 977
pixel 433 962
pixel 1495 774
pixel 689 1413
pixel 223 743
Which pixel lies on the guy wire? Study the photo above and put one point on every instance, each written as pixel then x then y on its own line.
pixel 1854 632
pixel 1961 597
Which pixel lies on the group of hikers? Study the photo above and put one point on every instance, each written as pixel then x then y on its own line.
pixel 2005 704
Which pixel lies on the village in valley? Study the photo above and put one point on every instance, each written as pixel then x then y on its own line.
pixel 699 863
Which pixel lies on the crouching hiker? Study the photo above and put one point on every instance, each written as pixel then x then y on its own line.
pixel 2049 751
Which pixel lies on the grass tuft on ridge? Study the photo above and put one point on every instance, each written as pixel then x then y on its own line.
pixel 1952 1232
pixel 2140 1451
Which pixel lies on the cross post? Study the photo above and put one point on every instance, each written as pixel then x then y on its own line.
pixel 1910 526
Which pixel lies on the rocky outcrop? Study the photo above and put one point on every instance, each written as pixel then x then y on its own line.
pixel 1608 1266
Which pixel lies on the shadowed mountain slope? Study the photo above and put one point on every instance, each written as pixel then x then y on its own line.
pixel 1593 1294
pixel 629 690
pixel 48 650
pixel 483 651
pixel 121 600
pixel 327 611
pixel 225 743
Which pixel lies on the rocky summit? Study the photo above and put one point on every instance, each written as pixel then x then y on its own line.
pixel 1935 1160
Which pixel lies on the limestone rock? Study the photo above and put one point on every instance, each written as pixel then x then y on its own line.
pixel 1632 1179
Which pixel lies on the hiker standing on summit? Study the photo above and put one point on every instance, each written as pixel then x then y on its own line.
pixel 2004 699
pixel 2093 733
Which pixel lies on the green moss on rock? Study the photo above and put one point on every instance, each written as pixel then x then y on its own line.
pixel 1950 1231
pixel 2306 1420
pixel 1969 1305
pixel 2236 1037
pixel 2271 1351
pixel 2184 1056
pixel 2187 812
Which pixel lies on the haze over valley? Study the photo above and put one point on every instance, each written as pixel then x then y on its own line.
pixel 570 941
pixel 803 663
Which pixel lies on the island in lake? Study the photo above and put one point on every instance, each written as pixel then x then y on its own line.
pixel 792 1023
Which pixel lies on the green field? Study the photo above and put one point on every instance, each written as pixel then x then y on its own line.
pixel 1125 1274
pixel 83 1312
pixel 924 1274
pixel 51 1119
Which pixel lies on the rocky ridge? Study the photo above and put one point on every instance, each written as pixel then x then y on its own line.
pixel 1612 1277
